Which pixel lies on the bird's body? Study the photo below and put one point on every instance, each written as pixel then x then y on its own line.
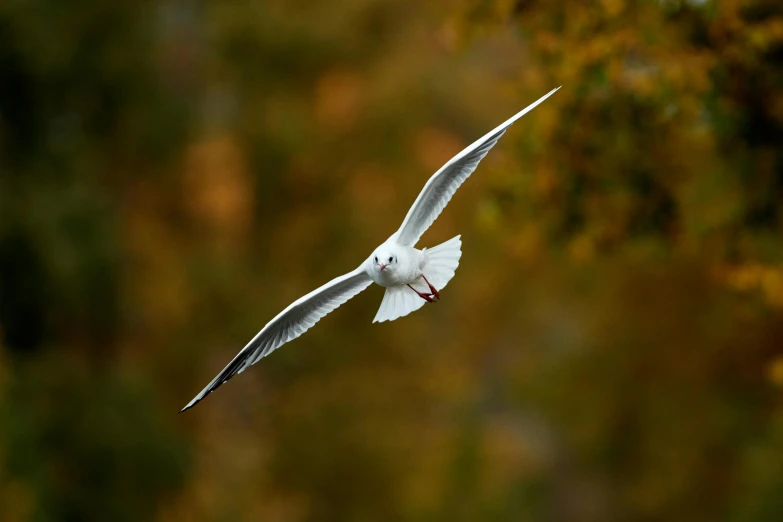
pixel 412 277
pixel 405 265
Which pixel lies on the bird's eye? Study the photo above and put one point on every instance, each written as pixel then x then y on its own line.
pixel 391 259
pixel 376 259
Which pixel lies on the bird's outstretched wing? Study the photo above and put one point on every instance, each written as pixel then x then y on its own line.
pixel 444 183
pixel 290 324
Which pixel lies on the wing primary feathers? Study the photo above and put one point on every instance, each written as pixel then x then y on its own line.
pixel 439 189
pixel 290 324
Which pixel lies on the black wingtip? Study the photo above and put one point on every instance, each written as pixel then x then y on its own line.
pixel 190 405
pixel 198 398
pixel 228 372
pixel 209 389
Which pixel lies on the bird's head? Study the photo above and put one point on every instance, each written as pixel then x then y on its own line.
pixel 384 260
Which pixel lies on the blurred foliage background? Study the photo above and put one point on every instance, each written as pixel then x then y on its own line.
pixel 173 173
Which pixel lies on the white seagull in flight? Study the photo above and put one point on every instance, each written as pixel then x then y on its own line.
pixel 395 265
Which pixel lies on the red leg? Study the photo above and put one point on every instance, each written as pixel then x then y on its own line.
pixel 426 297
pixel 432 289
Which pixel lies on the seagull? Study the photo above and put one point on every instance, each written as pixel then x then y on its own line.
pixel 411 277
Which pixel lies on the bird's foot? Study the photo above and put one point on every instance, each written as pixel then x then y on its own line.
pixel 433 290
pixel 426 297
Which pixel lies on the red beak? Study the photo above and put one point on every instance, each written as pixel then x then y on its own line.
pixel 382 267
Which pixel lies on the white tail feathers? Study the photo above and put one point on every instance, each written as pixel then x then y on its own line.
pixel 442 261
pixel 397 301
